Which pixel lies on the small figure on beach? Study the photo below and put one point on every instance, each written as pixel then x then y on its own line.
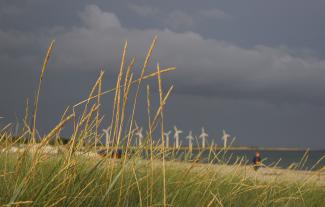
pixel 203 136
pixel 176 136
pixel 167 134
pixel 257 160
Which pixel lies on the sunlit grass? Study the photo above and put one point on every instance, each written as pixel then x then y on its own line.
pixel 91 181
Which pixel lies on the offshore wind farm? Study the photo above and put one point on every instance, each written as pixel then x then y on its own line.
pixel 282 157
pixel 197 141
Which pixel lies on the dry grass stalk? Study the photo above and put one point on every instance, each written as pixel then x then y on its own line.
pixel 116 103
pixel 98 111
pixel 150 175
pixel 139 85
pixel 161 105
pixel 151 75
pixel 47 57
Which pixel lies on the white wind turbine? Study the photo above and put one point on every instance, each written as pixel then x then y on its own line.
pixel 203 136
pixel 190 140
pixel 167 134
pixel 107 133
pixel 225 138
pixel 176 136
pixel 139 135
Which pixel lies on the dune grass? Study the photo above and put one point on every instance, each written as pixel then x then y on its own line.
pixel 73 175
pixel 91 181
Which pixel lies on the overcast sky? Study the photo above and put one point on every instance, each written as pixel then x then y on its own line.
pixel 255 68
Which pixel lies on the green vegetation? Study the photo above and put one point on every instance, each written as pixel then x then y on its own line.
pixel 48 180
pixel 36 174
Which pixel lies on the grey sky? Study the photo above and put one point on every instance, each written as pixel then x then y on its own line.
pixel 255 68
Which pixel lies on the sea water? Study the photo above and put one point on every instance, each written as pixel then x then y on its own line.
pixel 302 160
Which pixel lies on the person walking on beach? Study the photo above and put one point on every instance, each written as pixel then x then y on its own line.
pixel 257 161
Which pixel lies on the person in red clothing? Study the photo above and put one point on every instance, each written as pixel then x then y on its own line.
pixel 257 161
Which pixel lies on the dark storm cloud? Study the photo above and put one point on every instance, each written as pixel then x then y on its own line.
pixel 179 20
pixel 232 60
pixel 205 67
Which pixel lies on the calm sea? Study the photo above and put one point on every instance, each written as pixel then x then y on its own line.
pixel 311 160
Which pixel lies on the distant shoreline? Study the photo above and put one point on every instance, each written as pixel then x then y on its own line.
pixel 216 148
pixel 280 149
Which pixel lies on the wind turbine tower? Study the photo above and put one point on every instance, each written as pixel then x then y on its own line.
pixel 167 134
pixel 225 138
pixel 139 135
pixel 190 140
pixel 107 133
pixel 176 136
pixel 203 136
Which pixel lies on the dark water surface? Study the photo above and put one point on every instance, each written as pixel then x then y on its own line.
pixel 302 160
